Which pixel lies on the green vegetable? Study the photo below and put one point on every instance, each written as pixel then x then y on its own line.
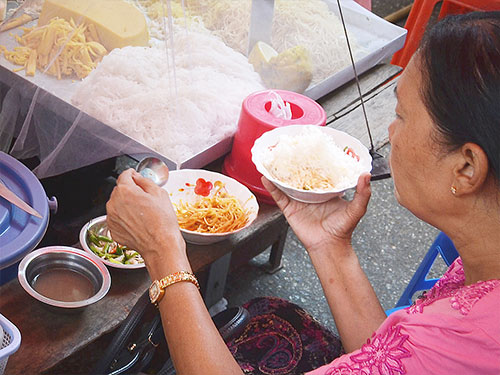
pixel 93 238
pixel 113 260
pixel 104 238
pixel 119 250
pixel 130 257
pixel 96 250
pixel 106 248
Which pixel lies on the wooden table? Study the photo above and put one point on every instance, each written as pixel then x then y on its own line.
pixel 49 337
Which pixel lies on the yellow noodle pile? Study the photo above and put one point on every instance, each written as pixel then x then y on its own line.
pixel 218 213
pixel 60 48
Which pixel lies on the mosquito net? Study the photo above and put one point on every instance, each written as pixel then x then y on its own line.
pixel 87 80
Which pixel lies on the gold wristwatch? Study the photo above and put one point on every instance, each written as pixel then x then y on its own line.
pixel 157 288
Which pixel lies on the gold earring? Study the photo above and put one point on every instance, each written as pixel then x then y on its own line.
pixel 453 190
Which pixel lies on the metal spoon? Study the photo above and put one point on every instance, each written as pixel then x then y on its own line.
pixel 154 169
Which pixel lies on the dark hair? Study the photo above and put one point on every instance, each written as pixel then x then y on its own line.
pixel 460 64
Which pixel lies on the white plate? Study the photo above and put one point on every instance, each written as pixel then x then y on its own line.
pixel 262 146
pixel 181 184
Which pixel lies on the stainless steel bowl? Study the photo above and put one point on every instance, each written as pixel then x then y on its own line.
pixel 99 226
pixel 45 263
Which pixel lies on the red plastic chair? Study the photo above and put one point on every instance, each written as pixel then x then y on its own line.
pixel 365 3
pixel 420 14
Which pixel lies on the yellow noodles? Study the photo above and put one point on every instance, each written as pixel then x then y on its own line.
pixel 218 213
pixel 61 48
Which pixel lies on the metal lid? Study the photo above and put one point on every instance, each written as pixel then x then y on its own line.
pixel 20 232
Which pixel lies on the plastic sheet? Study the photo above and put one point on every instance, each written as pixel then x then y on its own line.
pixel 179 96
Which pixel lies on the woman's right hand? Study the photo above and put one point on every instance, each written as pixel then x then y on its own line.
pixel 326 224
pixel 141 216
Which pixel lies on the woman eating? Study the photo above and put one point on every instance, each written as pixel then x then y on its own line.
pixel 445 163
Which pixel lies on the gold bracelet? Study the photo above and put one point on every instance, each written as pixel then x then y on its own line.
pixel 157 288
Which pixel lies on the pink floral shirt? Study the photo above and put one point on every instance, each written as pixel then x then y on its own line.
pixel 454 329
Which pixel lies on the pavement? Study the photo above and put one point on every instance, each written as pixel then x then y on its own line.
pixel 383 8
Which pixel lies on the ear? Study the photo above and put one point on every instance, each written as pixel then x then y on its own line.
pixel 471 169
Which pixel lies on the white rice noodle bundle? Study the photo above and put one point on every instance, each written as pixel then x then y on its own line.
pixel 159 13
pixel 132 91
pixel 308 23
pixel 311 24
pixel 228 19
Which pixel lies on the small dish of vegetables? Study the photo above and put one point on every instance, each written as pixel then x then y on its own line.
pixel 96 240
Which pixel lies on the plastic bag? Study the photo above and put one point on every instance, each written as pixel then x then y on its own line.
pixel 279 108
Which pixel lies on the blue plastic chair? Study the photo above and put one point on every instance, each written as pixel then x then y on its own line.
pixel 442 245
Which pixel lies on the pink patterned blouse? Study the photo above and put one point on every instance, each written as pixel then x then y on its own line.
pixel 454 329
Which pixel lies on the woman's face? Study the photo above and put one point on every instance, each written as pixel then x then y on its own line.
pixel 421 172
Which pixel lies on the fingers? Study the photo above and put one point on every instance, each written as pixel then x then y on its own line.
pixel 133 178
pixel 279 197
pixel 125 177
pixel 144 183
pixel 362 195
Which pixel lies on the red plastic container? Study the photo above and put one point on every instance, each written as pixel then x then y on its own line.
pixel 255 120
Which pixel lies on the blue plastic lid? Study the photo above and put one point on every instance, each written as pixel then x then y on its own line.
pixel 19 231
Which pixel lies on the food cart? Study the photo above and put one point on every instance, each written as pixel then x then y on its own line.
pixel 172 88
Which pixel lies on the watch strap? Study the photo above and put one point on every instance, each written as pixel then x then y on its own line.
pixel 157 288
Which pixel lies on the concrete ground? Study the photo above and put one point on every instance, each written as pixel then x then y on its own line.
pixel 389 241
pixel 383 8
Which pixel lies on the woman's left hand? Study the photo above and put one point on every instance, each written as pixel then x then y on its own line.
pixel 327 224
pixel 141 216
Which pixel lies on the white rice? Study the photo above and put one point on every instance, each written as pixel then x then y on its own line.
pixel 312 161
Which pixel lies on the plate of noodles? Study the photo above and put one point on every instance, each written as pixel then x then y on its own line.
pixel 210 206
pixel 310 163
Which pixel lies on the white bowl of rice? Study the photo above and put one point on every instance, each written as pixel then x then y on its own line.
pixel 210 206
pixel 309 163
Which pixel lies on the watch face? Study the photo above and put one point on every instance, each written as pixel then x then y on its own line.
pixel 154 291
